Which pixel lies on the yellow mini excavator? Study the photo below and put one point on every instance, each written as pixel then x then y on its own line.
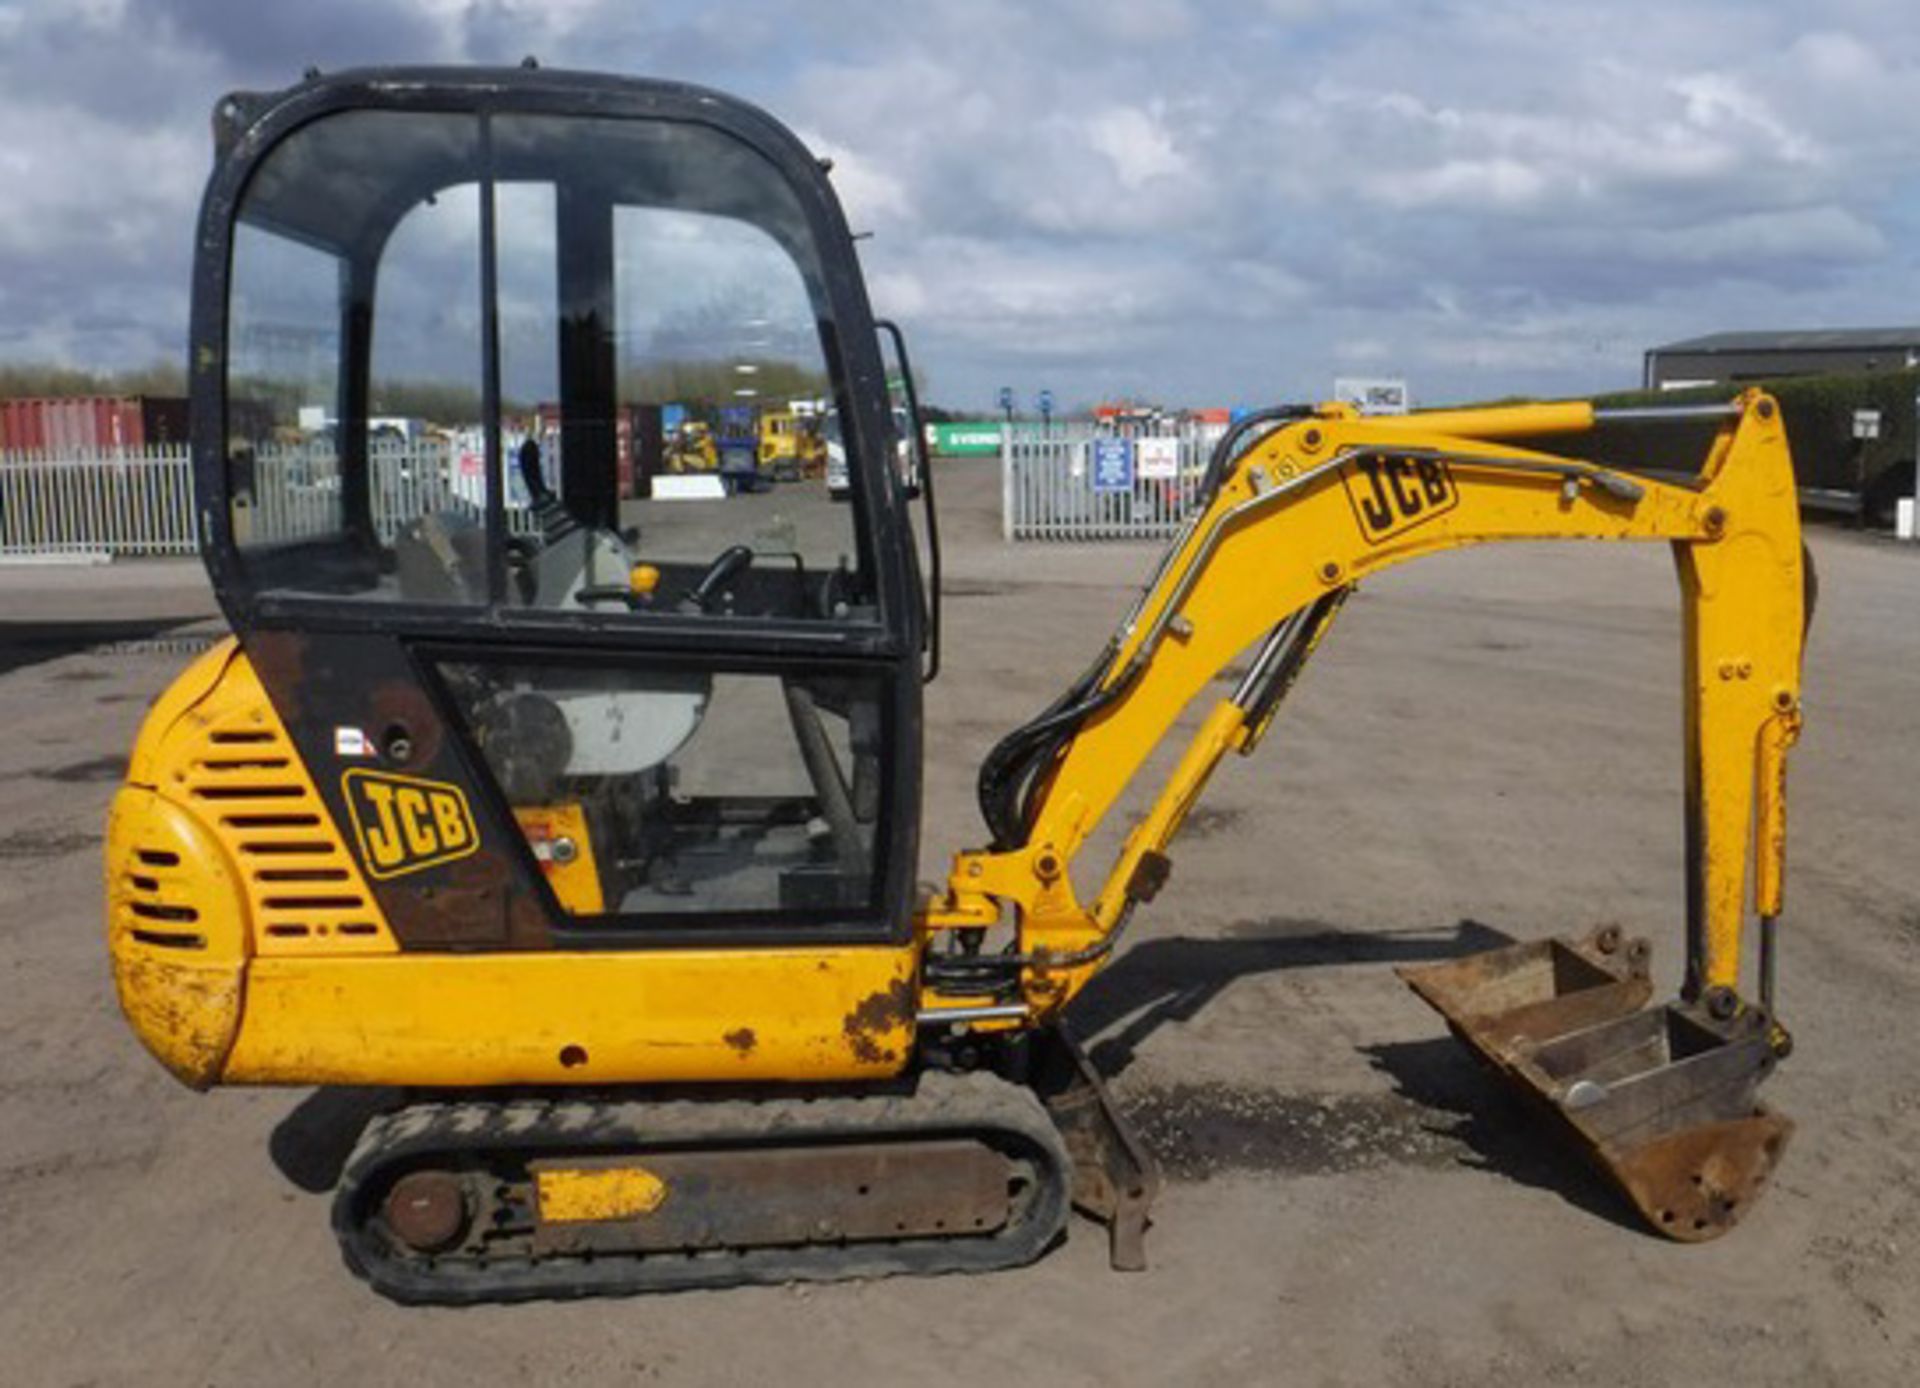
pixel 590 833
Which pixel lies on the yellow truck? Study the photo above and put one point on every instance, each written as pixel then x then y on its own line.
pixel 690 448
pixel 792 446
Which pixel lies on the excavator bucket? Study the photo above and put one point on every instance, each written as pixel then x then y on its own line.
pixel 1661 1099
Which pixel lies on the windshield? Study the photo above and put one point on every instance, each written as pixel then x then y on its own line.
pixel 534 361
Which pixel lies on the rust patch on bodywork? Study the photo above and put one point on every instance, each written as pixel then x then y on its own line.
pixel 742 1040
pixel 876 1020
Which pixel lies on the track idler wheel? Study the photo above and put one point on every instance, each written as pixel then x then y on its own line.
pixel 427 1211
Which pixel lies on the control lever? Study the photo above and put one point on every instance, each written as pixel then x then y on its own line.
pixel 731 562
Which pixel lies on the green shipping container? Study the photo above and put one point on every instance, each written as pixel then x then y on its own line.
pixel 972 439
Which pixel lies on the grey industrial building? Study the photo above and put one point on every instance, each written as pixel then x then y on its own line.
pixel 1756 356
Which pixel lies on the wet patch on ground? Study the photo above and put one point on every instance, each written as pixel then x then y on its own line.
pixel 90 771
pixel 1207 821
pixel 24 844
pixel 1203 1130
pixel 1201 823
pixel 975 588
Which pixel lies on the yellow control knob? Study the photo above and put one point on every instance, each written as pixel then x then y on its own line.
pixel 644 578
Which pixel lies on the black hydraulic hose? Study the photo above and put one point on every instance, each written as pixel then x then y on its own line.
pixel 1009 772
pixel 999 766
pixel 1228 448
pixel 1012 772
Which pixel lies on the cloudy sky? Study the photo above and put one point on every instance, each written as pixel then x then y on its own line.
pixel 1203 201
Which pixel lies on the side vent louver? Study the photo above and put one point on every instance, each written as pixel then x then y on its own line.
pixel 248 782
pixel 157 912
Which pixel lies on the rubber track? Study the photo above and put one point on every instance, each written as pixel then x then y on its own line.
pixel 943 1106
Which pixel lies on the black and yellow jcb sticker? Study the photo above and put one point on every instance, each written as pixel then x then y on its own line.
pixel 405 824
pixel 1392 495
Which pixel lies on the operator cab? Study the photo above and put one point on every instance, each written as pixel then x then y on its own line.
pixel 472 339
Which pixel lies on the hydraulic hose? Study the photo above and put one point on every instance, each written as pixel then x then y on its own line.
pixel 1230 444
pixel 1013 771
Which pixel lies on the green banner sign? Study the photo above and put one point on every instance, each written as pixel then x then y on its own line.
pixel 975 438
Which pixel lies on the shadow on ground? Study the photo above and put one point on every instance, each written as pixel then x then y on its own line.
pixel 1161 981
pixel 311 1144
pixel 1444 1110
pixel 29 643
pixel 1494 1128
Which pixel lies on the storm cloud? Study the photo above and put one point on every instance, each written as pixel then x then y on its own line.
pixel 1201 201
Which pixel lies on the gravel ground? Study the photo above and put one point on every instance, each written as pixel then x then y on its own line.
pixel 1487 747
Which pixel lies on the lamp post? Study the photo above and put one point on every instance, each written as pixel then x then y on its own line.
pixel 1046 413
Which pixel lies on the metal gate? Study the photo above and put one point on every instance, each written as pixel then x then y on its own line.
pixel 124 504
pixel 1084 485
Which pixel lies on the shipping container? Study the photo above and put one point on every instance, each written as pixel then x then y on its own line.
pixel 91 423
pixel 625 422
pixel 163 419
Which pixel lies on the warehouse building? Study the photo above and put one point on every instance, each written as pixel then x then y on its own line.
pixel 1720 358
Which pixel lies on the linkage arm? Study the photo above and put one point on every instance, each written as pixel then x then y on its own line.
pixel 1298 520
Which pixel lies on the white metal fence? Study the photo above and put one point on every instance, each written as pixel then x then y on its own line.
pixel 1079 486
pixel 54 504
pixel 125 504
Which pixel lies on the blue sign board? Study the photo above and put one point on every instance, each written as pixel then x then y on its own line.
pixel 1113 465
pixel 1006 398
pixel 1046 402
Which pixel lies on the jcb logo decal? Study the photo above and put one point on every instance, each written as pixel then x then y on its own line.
pixel 1392 495
pixel 405 824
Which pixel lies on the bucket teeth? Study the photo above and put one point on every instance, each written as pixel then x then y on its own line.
pixel 1661 1099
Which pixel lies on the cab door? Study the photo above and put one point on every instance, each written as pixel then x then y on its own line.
pixel 452 309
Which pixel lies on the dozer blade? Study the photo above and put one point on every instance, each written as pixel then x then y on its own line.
pixel 1661 1099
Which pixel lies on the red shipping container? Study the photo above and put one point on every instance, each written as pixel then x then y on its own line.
pixel 79 424
pixel 549 417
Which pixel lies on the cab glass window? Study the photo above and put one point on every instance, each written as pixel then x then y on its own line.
pixel 283 389
pixel 649 435
pixel 660 793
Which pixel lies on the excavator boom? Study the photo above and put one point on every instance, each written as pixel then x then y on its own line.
pixel 1664 1100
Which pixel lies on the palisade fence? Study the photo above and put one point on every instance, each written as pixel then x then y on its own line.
pixel 120 504
pixel 1074 485
pixel 93 504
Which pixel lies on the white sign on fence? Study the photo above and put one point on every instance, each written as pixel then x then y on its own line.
pixel 1157 460
pixel 1373 395
pixel 1072 486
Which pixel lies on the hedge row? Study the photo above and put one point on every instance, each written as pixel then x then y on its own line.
pixel 1819 414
